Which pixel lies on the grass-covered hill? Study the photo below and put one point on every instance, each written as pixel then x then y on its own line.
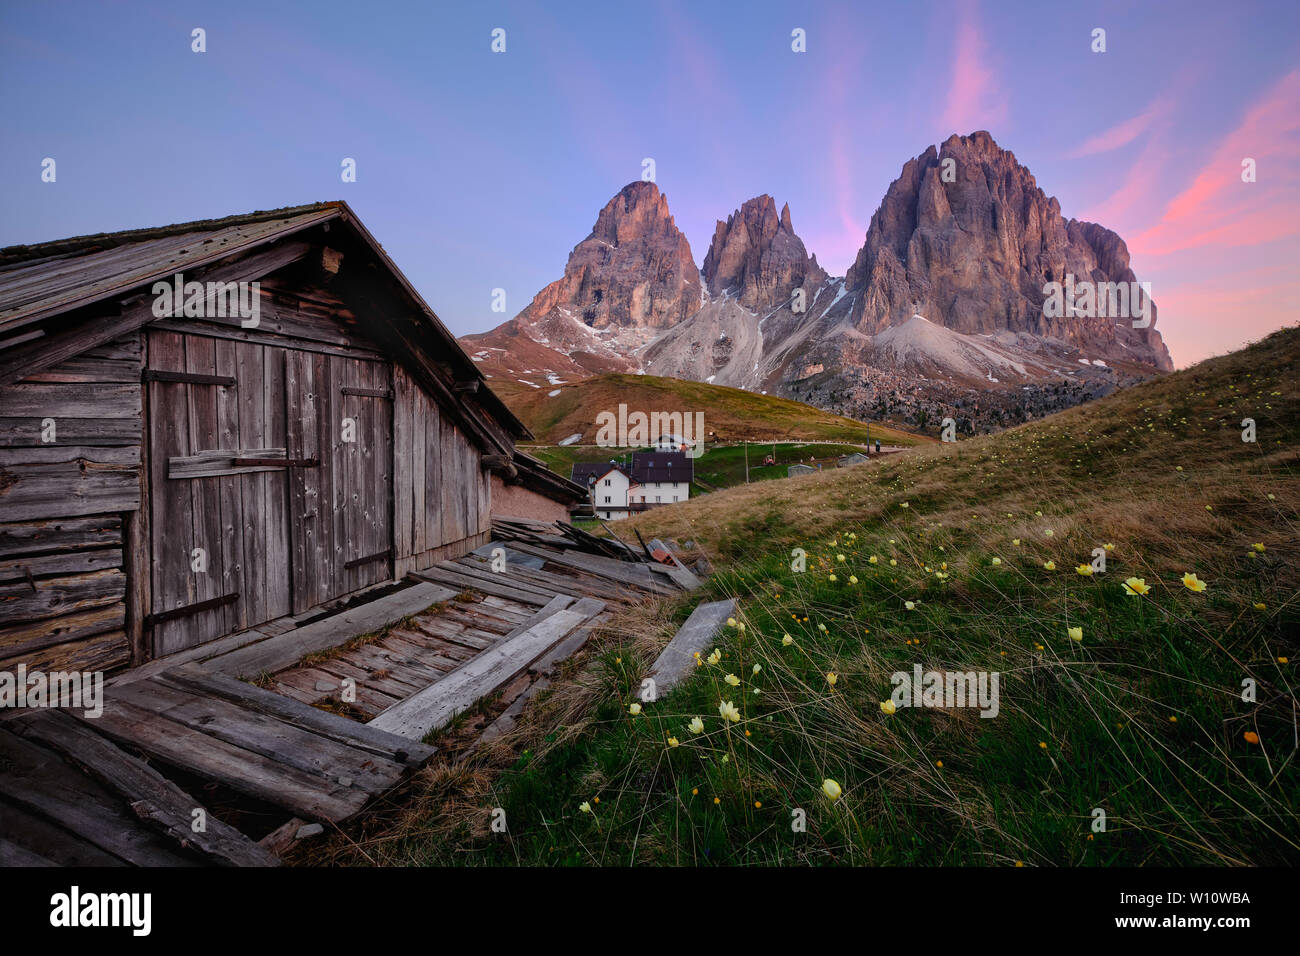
pixel 1147 723
pixel 733 414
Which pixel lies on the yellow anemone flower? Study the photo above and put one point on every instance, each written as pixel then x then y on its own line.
pixel 728 711
pixel 1136 586
pixel 888 706
pixel 1193 583
pixel 1075 633
pixel 831 789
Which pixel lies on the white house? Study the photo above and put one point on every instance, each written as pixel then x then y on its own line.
pixel 654 478
pixel 609 484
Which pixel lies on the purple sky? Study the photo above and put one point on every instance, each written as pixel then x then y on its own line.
pixel 479 170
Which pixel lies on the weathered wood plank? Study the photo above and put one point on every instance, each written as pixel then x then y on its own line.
pixel 677 660
pixel 38 780
pixel 278 740
pixel 358 736
pixel 25 637
pixel 33 834
pixel 626 572
pixel 54 597
pixel 236 767
pixel 435 705
pixel 151 796
pixel 287 649
pixel 50 565
pixel 442 574
pixel 98 652
pixel 101 400
pixel 60 534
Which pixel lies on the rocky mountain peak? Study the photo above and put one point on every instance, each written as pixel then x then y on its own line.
pixel 757 255
pixel 635 270
pixel 966 238
pixel 638 211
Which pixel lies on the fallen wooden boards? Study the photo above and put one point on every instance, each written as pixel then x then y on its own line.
pixel 438 703
pixel 625 572
pixel 676 662
pixel 676 570
pixel 354 734
pixel 316 765
pixel 407 658
pixel 288 648
pixel 149 795
pixel 58 813
pixel 544 667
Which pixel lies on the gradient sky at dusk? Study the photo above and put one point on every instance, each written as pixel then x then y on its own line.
pixel 479 170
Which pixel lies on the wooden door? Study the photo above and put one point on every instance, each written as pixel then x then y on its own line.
pixel 339 414
pixel 219 528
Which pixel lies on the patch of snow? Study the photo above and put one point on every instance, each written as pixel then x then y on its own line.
pixel 571 439
pixel 554 393
pixel 710 378
pixel 1099 362
pixel 1084 362
pixel 526 382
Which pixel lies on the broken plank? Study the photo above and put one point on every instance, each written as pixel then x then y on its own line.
pixel 435 705
pixel 290 647
pixel 275 739
pixel 38 780
pixel 236 767
pixel 624 572
pixel 151 796
pixel 361 736
pixel 677 661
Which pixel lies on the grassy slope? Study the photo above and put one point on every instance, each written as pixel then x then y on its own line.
pixel 731 412
pixel 1143 718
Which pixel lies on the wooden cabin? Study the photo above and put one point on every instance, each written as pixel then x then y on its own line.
pixel 175 471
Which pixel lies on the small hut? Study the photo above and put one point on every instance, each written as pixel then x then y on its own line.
pixel 209 426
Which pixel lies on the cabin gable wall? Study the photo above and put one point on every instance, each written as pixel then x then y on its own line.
pixel 96 533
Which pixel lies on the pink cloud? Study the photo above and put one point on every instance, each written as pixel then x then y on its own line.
pixel 1141 183
pixel 1218 208
pixel 975 99
pixel 1123 133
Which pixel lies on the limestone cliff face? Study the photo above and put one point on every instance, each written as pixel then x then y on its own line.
pixel 756 256
pixel 635 269
pixel 966 238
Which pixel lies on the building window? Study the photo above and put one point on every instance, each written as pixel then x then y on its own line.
pixel 658 499
pixel 607 482
pixel 607 499
pixel 674 497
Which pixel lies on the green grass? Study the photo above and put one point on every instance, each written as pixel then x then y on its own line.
pixel 720 466
pixel 1143 718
